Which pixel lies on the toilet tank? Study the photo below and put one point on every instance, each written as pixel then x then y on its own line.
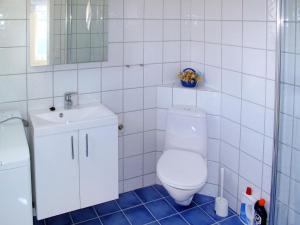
pixel 186 129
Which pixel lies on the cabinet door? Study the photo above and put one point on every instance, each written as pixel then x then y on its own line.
pixel 98 157
pixel 56 171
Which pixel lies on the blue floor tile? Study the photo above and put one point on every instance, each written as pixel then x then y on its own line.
pixel 147 194
pixel 139 215
pixel 161 190
pixel 91 222
pixel 146 206
pixel 38 222
pixel 83 214
pixel 160 209
pixel 107 208
pixel 179 208
pixel 173 220
pixel 232 221
pixel 114 219
pixel 202 199
pixel 63 219
pixel 197 216
pixel 128 199
pixel 210 210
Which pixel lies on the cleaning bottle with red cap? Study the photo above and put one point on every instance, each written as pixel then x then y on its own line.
pixel 247 207
pixel 260 214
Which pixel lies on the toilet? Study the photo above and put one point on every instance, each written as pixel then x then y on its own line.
pixel 182 168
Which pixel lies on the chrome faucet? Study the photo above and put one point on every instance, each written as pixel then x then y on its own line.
pixel 68 99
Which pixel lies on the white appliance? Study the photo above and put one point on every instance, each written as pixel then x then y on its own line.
pixel 15 179
pixel 182 168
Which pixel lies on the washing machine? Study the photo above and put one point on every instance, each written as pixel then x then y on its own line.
pixel 15 178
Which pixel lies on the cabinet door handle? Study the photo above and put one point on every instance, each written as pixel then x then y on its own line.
pixel 86 145
pixel 72 147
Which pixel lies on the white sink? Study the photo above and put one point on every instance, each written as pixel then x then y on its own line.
pixel 73 115
pixel 45 122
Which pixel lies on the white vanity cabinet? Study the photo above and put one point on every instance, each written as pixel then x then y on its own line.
pixel 74 165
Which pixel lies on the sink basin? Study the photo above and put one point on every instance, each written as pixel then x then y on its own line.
pixel 73 115
pixel 47 122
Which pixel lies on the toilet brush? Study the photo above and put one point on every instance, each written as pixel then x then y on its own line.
pixel 221 204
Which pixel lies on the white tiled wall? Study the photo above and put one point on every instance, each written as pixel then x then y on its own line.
pixel 144 51
pixel 232 41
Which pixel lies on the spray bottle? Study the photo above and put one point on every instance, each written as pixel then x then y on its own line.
pixel 247 207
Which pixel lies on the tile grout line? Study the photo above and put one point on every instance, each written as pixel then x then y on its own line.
pixel 221 91
pixel 123 212
pixel 171 206
pixel 123 91
pixel 265 111
pixel 145 205
pixel 206 212
pixel 97 214
pixel 143 100
pixel 71 218
pixel 241 109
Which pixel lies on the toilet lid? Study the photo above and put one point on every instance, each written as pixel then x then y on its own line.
pixel 182 169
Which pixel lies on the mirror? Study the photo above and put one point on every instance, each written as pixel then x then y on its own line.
pixel 68 31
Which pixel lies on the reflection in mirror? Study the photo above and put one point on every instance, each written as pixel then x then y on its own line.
pixel 39 33
pixel 68 31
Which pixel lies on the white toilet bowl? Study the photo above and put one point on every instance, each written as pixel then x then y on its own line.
pixel 182 168
pixel 182 173
pixel 181 196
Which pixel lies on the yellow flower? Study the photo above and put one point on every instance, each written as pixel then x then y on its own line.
pixel 189 76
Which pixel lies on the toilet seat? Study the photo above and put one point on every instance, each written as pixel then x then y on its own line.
pixel 182 169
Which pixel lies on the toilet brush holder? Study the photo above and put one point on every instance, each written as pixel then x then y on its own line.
pixel 221 204
pixel 221 207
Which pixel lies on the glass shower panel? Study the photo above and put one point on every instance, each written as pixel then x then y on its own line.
pixel 287 209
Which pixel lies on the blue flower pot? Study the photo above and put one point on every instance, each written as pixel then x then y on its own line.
pixel 188 84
